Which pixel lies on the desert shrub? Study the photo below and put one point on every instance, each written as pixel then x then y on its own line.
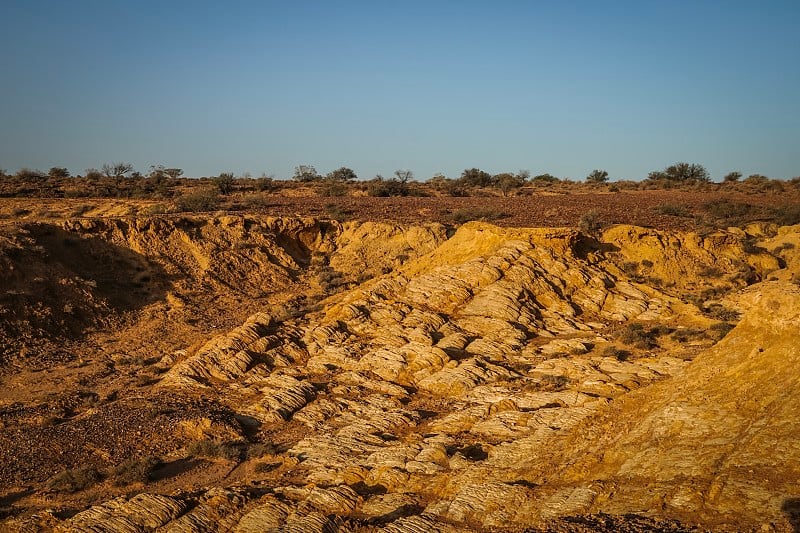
pixel 647 263
pixel 680 172
pixel 631 268
pixel 331 189
pixel 214 449
pixel 224 182
pixel 684 335
pixel 544 179
pixel 260 449
pixel 617 353
pixel 265 184
pixel 729 209
pixel 461 216
pixel 787 215
pixel 92 174
pixel 384 188
pixel 336 212
pixel 206 199
pixel 549 382
pixel 156 209
pixel 73 480
pixel 30 174
pixel 720 329
pixel 641 337
pixel 781 247
pixel 722 313
pixel 712 272
pixel 591 222
pixel 135 470
pixel 673 210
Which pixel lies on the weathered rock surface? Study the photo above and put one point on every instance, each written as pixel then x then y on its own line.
pixel 481 384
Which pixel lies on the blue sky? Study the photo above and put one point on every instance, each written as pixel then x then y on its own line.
pixel 558 87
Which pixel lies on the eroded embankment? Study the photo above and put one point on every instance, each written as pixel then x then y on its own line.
pixel 501 378
pixel 60 281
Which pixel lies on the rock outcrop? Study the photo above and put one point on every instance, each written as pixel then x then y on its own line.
pixel 486 382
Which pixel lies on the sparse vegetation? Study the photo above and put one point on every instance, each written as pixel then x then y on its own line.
pixel 720 329
pixel 591 222
pixel 224 183
pixel 673 210
pixel 75 479
pixel 215 449
pixel 135 470
pixel 681 172
pixel 722 313
pixel 553 383
pixel 787 215
pixel 640 337
pixel 597 176
pixel 337 212
pixel 729 210
pixel 462 216
pixel 258 450
pixel 617 353
pixel 381 187
pixel 200 200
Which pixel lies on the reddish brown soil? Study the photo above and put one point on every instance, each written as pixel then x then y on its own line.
pixel 537 210
pixel 643 208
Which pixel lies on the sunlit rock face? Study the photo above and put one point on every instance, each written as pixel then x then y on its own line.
pixel 484 381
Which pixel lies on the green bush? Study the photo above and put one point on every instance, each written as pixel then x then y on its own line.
pixel 384 188
pixel 224 182
pixel 206 199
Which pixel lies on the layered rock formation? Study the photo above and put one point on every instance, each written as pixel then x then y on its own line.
pixel 482 383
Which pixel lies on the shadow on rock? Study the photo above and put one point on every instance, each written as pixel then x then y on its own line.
pixel 55 284
pixel 791 507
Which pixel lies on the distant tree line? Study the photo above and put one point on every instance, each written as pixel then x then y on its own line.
pixel 121 179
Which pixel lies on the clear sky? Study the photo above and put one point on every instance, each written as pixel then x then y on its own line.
pixel 433 86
